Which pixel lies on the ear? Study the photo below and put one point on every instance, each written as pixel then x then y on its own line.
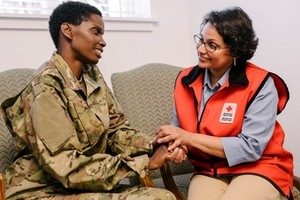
pixel 66 30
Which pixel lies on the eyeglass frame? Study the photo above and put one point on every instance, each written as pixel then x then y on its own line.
pixel 197 36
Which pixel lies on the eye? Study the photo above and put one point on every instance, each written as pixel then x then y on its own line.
pixel 212 45
pixel 96 31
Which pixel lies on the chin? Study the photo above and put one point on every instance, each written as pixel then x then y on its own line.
pixel 94 62
pixel 203 65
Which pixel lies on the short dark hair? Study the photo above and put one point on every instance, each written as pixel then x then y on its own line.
pixel 235 27
pixel 72 12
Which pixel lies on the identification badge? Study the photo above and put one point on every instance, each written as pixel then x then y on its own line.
pixel 228 113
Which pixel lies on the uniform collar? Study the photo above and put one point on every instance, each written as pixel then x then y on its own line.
pixel 220 82
pixel 89 74
pixel 65 71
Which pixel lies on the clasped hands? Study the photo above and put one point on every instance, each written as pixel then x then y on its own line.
pixel 173 146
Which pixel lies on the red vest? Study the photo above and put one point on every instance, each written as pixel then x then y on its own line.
pixel 276 164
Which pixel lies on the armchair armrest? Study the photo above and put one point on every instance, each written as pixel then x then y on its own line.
pixel 147 181
pixel 166 174
pixel 2 194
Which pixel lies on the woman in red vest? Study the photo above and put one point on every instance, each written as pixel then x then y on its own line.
pixel 225 116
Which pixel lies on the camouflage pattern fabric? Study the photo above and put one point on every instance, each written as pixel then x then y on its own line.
pixel 135 193
pixel 73 136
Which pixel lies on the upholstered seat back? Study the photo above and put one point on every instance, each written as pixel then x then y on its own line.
pixel 11 83
pixel 145 94
pixel 146 97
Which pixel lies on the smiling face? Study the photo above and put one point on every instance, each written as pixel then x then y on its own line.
pixel 219 60
pixel 87 41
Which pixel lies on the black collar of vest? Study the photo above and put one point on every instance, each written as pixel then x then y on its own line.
pixel 237 74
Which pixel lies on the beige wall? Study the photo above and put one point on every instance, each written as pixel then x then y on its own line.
pixel 167 42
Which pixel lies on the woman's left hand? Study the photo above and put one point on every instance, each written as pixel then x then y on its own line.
pixel 177 155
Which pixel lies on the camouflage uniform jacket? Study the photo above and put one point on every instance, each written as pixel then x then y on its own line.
pixel 72 133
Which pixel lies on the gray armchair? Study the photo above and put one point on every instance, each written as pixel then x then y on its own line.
pixel 11 83
pixel 145 94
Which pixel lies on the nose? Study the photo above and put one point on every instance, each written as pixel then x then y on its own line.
pixel 102 41
pixel 201 49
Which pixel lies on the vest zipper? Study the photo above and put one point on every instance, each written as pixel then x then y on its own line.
pixel 215 174
pixel 198 121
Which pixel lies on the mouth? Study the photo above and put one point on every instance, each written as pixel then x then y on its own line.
pixel 202 59
pixel 98 52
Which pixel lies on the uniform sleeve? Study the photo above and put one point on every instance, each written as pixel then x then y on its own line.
pixel 53 139
pixel 257 129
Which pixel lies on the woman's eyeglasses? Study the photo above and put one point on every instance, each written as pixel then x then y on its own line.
pixel 209 46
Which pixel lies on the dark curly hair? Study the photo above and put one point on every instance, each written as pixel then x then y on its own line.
pixel 72 12
pixel 235 27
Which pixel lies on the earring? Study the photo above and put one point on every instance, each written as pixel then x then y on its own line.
pixel 234 62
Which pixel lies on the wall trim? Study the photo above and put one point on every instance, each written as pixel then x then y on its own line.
pixel 40 22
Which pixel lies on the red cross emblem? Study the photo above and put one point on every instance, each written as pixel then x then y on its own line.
pixel 228 113
pixel 229 108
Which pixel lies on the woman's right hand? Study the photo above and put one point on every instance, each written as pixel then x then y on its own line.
pixel 170 133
